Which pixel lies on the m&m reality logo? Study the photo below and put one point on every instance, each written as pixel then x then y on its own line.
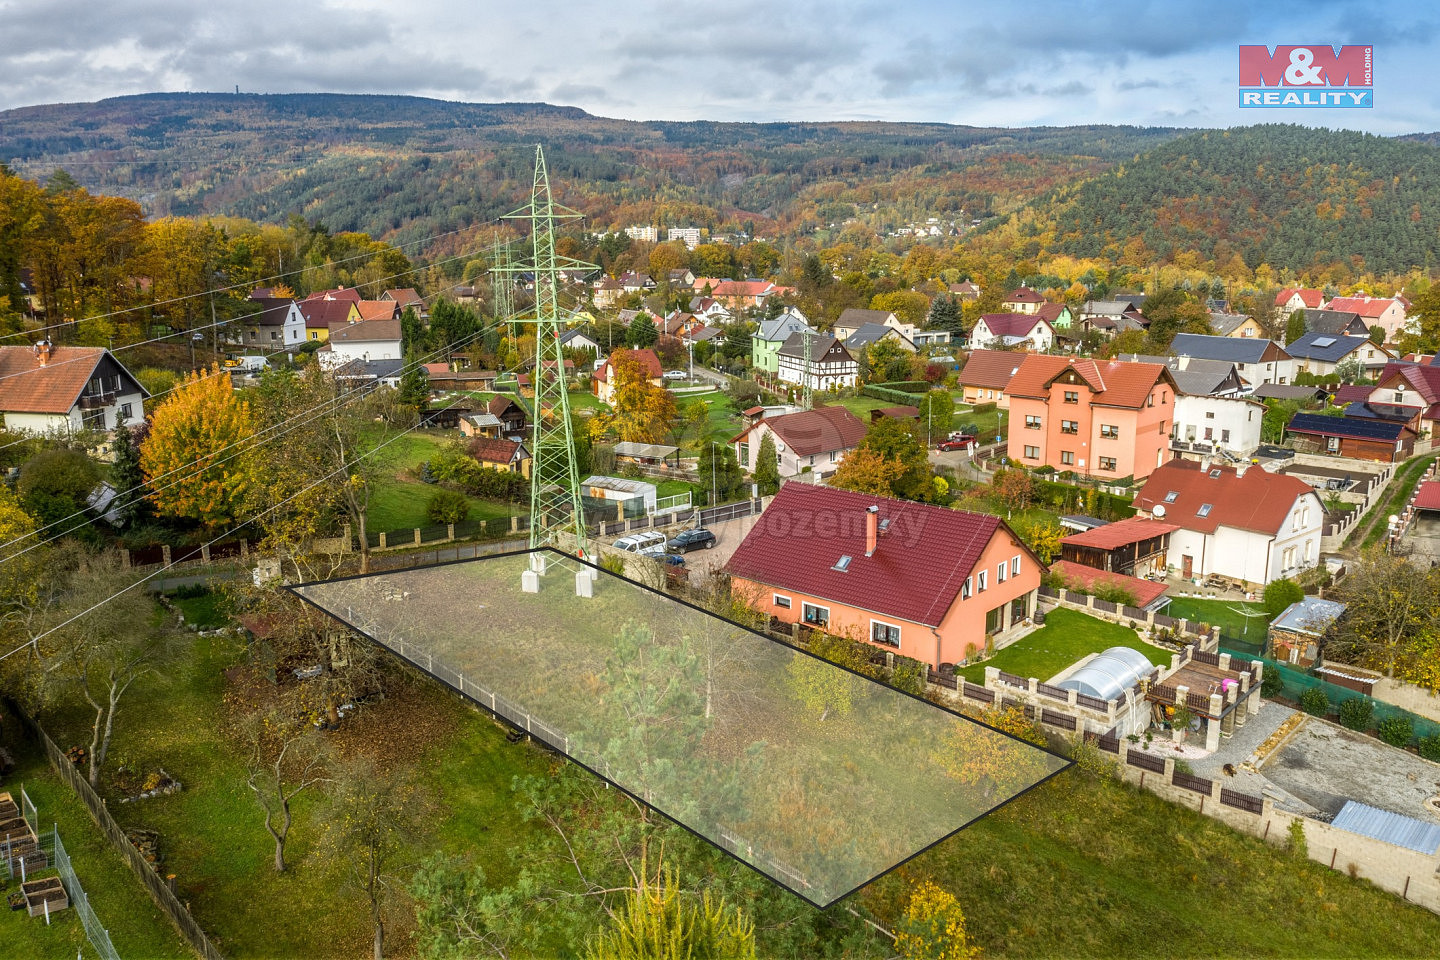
pixel 1315 75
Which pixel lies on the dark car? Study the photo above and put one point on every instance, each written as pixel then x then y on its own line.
pixel 956 443
pixel 688 540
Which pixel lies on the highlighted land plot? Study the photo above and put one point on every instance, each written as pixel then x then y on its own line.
pixel 817 777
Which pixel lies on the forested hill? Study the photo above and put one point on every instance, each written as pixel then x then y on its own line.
pixel 407 167
pixel 1292 197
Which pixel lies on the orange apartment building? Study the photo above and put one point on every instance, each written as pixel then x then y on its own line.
pixel 911 578
pixel 1108 419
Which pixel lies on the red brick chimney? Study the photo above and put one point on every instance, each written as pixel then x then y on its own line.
pixel 872 531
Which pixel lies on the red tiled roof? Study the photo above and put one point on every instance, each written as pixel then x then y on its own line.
pixel 990 368
pixel 1368 307
pixel 339 293
pixel 378 309
pixel 405 296
pixel 900 413
pixel 647 359
pixel 324 313
pixel 1257 501
pixel 437 369
pixel 1146 592
pixel 915 574
pixel 1428 496
pixel 1311 298
pixel 744 288
pixel 494 449
pixel 814 431
pixel 499 404
pixel 1352 393
pixel 1024 295
pixel 1121 533
pixel 1050 311
pixel 1011 324
pixel 27 387
pixel 1116 383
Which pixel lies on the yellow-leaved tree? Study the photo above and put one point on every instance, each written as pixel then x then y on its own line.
pixel 195 460
pixel 933 927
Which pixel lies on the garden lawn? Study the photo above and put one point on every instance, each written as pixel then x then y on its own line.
pixel 137 927
pixel 1228 615
pixel 724 421
pixel 1067 636
pixel 206 611
pixel 987 425
pixel 400 505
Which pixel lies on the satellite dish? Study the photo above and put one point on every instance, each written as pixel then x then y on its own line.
pixel 1158 511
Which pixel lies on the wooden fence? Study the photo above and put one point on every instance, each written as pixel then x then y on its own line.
pixel 154 884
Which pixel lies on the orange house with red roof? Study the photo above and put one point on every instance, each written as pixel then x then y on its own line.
pixel 911 578
pixel 1107 420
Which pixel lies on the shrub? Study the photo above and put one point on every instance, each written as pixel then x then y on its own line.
pixel 1183 766
pixel 1271 685
pixel 447 506
pixel 1356 712
pixel 1314 702
pixel 610 563
pixel 1279 594
pixel 980 408
pixel 1296 843
pixel 909 675
pixel 1395 731
pixel 1430 747
pixel 1045 469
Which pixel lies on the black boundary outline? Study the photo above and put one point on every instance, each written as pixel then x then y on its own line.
pixel 296 588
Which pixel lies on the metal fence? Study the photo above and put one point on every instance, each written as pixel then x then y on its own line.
pixel 99 937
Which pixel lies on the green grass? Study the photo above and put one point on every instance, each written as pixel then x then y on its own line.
pixel 1067 636
pixel 400 505
pixel 206 611
pixel 988 424
pixel 1225 614
pixel 1404 483
pixel 137 927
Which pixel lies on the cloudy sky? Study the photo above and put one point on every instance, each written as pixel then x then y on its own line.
pixel 1031 62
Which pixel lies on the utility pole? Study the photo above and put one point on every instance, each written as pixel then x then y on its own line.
pixel 808 394
pixel 555 507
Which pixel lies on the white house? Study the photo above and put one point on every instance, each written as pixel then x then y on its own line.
pixel 1012 329
pixel 1321 353
pixel 811 441
pixel 1236 522
pixel 278 325
pixel 829 364
pixel 851 319
pixel 1228 423
pixel 1258 361
pixel 46 389
pixel 369 340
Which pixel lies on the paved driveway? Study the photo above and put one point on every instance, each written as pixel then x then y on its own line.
pixel 700 563
pixel 1325 764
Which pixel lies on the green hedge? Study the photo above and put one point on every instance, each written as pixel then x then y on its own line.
pixel 907 386
pixel 878 392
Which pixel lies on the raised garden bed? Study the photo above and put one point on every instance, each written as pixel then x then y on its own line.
pixel 38 893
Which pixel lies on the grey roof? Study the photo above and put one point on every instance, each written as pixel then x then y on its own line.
pixel 1287 391
pixel 855 317
pixel 374 369
pixel 1104 308
pixel 780 328
pixel 1402 831
pixel 1110 674
pixel 1311 616
pixel 1194 376
pixel 1081 522
pixel 627 448
pixel 619 483
pixel 1233 349
pixel 873 333
pixel 484 419
pixel 1227 323
pixel 1333 321
pixel 701 334
pixel 1325 347
pixel 569 335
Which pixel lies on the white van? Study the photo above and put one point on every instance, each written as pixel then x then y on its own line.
pixel 637 542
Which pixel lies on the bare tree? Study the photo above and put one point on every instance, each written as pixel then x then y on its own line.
pixel 287 757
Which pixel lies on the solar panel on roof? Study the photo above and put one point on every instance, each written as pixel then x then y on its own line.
pixel 1324 341
pixel 1347 426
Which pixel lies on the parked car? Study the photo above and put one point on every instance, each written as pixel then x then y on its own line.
pixel 674 375
pixel 953 444
pixel 640 542
pixel 659 555
pixel 688 540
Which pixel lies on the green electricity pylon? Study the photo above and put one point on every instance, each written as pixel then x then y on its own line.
pixel 556 513
pixel 502 287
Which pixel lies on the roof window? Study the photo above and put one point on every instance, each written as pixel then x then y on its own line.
pixel 1172 496
pixel 842 564
pixel 1204 510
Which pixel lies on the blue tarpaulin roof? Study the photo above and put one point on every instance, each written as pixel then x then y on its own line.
pixel 1390 827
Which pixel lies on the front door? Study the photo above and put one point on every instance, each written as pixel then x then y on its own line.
pixel 1187 566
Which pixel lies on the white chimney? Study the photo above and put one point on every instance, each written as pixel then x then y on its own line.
pixel 43 350
pixel 872 528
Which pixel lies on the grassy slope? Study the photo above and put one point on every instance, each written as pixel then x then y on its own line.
pixel 1067 636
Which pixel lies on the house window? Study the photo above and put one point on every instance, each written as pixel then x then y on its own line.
pixel 815 616
pixel 1032 422
pixel 1210 415
pixel 1287 558
pixel 272 335
pixel 1032 453
pixel 781 601
pixel 965 589
pixel 980 581
pixel 1308 545
pixel 744 450
pixel 1069 426
pixel 834 456
pixel 1067 457
pixel 1107 463
pixel 1399 397
pixel 1015 565
pixel 1224 436
pixel 995 619
pixel 1108 431
pixel 126 414
pixel 1072 396
pixel 1150 401
pixel 1209 433
pixel 93 419
pixel 1001 569
pixel 885 633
